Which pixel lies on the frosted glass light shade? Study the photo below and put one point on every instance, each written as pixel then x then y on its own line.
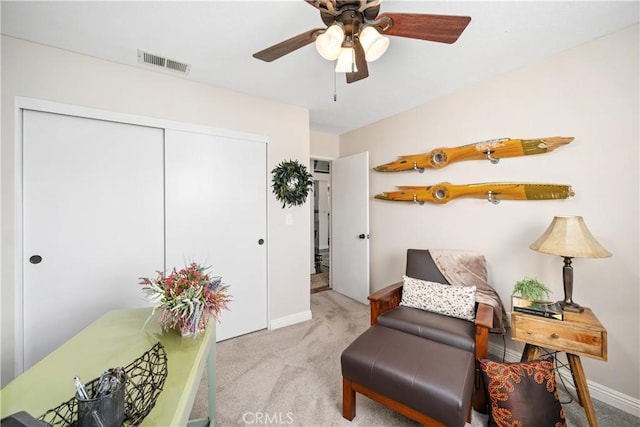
pixel 373 43
pixel 328 44
pixel 346 61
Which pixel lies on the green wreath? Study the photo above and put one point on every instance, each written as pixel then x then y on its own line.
pixel 291 183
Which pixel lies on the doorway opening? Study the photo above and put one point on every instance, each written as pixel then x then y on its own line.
pixel 321 218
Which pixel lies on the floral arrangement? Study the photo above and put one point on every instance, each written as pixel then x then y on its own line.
pixel 187 298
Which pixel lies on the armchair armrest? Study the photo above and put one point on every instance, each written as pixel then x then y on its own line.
pixel 484 315
pixel 484 322
pixel 384 300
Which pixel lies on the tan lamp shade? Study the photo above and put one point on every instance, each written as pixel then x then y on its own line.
pixel 568 236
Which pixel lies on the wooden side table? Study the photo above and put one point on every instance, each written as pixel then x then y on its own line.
pixel 579 334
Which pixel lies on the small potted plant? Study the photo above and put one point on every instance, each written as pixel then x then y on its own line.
pixel 529 293
pixel 531 289
pixel 532 296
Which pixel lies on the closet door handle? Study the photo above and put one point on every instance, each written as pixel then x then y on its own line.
pixel 261 241
pixel 35 259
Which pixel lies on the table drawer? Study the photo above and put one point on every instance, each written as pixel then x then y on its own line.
pixel 559 335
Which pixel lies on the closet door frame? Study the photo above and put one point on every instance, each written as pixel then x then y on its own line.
pixel 24 103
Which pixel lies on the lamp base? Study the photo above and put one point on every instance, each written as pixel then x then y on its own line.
pixel 571 306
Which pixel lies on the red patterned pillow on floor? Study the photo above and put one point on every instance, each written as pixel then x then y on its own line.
pixel 522 394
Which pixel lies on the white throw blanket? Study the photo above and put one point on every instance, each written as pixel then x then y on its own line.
pixel 467 268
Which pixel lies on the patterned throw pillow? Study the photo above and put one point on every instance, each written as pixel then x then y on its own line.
pixel 454 301
pixel 522 394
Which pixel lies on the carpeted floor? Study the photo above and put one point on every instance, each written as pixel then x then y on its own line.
pixel 291 376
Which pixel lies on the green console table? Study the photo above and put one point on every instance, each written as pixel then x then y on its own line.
pixel 116 339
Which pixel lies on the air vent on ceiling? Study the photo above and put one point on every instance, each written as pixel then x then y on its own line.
pixel 160 61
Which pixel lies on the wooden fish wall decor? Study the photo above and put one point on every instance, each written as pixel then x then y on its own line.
pixel 492 150
pixel 493 191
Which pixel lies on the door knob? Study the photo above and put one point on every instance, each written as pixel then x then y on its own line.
pixel 363 236
pixel 35 259
pixel 261 241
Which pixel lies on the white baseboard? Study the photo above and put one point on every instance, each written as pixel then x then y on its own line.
pixel 289 320
pixel 599 392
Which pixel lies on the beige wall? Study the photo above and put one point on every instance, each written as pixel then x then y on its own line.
pixel 325 146
pixel 591 93
pixel 36 71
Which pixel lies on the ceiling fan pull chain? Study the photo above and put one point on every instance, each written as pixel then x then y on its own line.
pixel 335 92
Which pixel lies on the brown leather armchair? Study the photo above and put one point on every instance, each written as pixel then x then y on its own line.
pixel 386 311
pixel 420 265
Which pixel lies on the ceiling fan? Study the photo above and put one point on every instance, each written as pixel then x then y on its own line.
pixel 355 33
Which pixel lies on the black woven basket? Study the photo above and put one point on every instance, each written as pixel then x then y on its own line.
pixel 145 379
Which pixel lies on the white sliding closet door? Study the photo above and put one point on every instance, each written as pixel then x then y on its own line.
pixel 216 212
pixel 93 222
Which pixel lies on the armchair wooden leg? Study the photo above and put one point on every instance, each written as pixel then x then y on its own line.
pixel 348 400
pixel 479 396
pixel 482 352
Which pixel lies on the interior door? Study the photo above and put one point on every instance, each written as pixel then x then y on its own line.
pixel 93 222
pixel 350 226
pixel 216 210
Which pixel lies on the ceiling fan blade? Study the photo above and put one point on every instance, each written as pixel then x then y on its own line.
pixel 435 28
pixel 361 64
pixel 281 49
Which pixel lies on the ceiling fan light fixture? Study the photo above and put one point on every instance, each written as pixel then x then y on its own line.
pixel 347 22
pixel 346 61
pixel 373 44
pixel 328 44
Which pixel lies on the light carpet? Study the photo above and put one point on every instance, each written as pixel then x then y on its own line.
pixel 291 376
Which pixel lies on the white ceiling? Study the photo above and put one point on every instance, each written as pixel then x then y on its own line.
pixel 218 38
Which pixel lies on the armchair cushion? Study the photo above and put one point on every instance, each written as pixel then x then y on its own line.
pixel 435 327
pixel 453 301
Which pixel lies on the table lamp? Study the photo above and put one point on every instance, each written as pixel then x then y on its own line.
pixel 569 237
